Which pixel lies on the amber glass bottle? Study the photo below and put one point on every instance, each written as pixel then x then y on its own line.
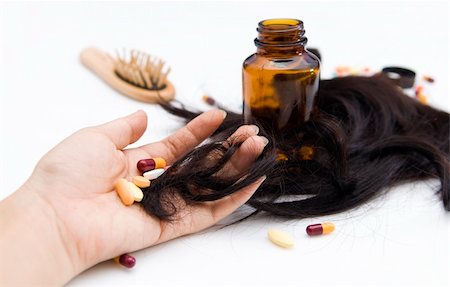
pixel 280 81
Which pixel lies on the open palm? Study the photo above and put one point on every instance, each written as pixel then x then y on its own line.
pixel 76 181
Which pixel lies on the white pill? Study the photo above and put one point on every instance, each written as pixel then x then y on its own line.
pixel 281 238
pixel 154 174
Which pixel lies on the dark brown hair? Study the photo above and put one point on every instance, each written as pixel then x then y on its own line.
pixel 365 136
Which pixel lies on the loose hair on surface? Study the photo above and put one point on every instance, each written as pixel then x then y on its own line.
pixel 367 136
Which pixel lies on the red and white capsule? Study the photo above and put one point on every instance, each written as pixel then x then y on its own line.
pixel 320 228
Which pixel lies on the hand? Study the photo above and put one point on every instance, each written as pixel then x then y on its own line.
pixel 72 191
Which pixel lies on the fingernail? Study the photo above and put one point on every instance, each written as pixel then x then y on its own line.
pixel 265 140
pixel 224 114
pixel 262 178
pixel 254 128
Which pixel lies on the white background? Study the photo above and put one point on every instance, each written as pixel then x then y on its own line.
pixel 46 94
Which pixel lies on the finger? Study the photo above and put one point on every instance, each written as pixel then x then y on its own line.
pixel 243 132
pixel 221 208
pixel 188 137
pixel 192 219
pixel 246 154
pixel 126 130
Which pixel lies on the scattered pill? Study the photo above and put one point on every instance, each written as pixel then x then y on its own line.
pixel 428 79
pixel 136 191
pixel 141 181
pixel 145 165
pixel 210 101
pixel 280 238
pixel 320 228
pixel 124 192
pixel 154 174
pixel 126 260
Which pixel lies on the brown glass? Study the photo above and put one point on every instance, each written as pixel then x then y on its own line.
pixel 280 81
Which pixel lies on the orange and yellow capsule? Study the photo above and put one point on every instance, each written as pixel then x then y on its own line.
pixel 320 228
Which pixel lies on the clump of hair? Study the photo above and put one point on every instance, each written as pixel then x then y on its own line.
pixel 365 137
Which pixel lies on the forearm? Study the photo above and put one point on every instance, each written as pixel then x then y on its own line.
pixel 33 252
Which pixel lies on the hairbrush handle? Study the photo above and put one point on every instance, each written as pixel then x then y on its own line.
pixel 102 64
pixel 98 62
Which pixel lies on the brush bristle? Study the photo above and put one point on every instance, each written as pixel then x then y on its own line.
pixel 141 69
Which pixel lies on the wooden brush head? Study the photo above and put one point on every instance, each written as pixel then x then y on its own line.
pixel 135 74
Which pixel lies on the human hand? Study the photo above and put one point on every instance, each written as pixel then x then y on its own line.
pixel 74 184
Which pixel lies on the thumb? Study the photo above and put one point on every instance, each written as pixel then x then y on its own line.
pixel 126 130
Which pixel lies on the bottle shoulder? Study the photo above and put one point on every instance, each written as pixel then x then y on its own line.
pixel 305 60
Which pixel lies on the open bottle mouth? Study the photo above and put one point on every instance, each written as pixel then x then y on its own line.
pixel 280 32
pixel 280 25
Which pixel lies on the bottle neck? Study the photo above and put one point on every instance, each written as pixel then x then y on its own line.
pixel 280 37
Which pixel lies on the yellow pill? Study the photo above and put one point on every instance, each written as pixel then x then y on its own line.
pixel 159 162
pixel 124 192
pixel 281 238
pixel 135 191
pixel 141 181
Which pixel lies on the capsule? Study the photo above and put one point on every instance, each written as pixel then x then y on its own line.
pixel 149 164
pixel 126 260
pixel 145 165
pixel 428 79
pixel 210 101
pixel 320 228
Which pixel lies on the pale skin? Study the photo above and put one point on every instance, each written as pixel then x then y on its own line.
pixel 67 217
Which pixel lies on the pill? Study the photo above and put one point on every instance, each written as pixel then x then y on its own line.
pixel 419 89
pixel 280 238
pixel 320 228
pixel 124 192
pixel 136 192
pixel 154 174
pixel 281 157
pixel 141 181
pixel 428 79
pixel 145 165
pixel 207 99
pixel 159 162
pixel 422 98
pixel 126 260
pixel 306 152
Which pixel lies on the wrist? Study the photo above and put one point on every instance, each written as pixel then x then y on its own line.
pixel 34 242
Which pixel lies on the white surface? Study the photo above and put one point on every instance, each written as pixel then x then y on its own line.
pixel 400 239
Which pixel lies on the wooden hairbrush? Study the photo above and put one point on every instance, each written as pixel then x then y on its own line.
pixel 137 75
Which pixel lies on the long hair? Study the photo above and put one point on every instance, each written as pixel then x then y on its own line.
pixel 364 137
